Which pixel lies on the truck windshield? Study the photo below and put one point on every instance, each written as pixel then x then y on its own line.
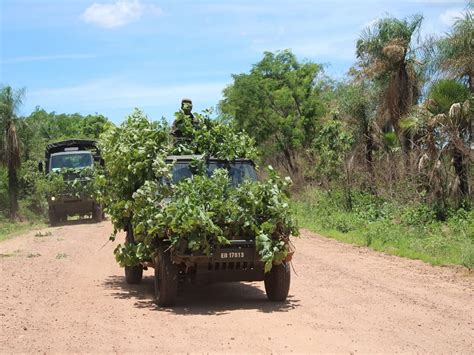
pixel 238 172
pixel 71 161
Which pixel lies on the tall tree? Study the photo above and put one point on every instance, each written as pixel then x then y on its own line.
pixel 455 51
pixel 10 100
pixel 442 125
pixel 357 101
pixel 278 103
pixel 450 101
pixel 386 54
pixel 92 126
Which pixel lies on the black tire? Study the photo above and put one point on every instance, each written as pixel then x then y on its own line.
pixel 62 218
pixel 277 282
pixel 97 213
pixel 53 218
pixel 133 274
pixel 166 280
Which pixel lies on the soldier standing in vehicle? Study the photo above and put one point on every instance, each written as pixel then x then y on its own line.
pixel 185 120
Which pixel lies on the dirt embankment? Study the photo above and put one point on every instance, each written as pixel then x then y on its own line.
pixel 64 293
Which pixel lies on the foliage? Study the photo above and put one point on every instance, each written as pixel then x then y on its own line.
pixel 198 213
pixel 10 229
pixel 33 133
pixel 134 154
pixel 278 104
pixel 386 44
pixel 441 125
pixel 454 55
pixel 387 55
pixel 331 146
pixel 33 187
pixel 212 138
pixel 70 182
pixel 445 93
pixel 205 212
pixel 366 133
pixel 41 128
pixel 10 155
pixel 407 230
pixel 132 254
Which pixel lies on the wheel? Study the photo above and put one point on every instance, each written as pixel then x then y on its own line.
pixel 166 280
pixel 53 218
pixel 277 282
pixel 97 213
pixel 133 274
pixel 62 217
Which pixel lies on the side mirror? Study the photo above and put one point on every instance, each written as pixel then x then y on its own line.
pixel 40 166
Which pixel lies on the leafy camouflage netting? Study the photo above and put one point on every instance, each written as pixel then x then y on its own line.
pixel 199 212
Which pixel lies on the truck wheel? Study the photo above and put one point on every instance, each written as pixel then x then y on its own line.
pixel 53 218
pixel 62 218
pixel 166 280
pixel 277 282
pixel 97 213
pixel 133 274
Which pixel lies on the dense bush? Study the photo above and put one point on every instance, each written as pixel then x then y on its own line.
pixel 411 230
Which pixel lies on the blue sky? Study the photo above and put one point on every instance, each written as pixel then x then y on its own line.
pixel 110 56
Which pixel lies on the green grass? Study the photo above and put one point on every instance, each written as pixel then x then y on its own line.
pixel 9 230
pixel 410 231
pixel 33 220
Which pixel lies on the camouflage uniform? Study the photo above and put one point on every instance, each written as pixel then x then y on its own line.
pixel 184 120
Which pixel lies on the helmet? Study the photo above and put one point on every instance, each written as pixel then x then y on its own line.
pixel 186 105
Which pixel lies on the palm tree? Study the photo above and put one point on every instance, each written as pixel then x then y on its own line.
pixel 358 105
pixel 10 100
pixel 387 56
pixel 442 125
pixel 455 51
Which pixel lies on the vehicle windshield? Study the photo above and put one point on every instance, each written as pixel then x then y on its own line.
pixel 238 172
pixel 71 161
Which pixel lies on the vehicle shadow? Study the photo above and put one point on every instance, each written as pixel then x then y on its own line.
pixel 202 299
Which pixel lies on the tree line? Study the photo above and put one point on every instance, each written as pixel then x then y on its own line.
pixel 399 125
pixel 22 144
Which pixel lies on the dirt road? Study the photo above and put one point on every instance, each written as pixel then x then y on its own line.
pixel 64 293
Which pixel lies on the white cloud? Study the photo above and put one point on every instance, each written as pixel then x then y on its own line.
pixel 449 16
pixel 117 14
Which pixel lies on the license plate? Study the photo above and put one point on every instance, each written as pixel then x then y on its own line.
pixel 232 255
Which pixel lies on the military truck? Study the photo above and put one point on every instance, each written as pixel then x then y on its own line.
pixel 71 155
pixel 238 261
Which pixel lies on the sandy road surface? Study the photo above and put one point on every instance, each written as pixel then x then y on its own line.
pixel 65 293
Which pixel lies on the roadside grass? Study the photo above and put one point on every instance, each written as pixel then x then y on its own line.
pixel 410 231
pixel 9 230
